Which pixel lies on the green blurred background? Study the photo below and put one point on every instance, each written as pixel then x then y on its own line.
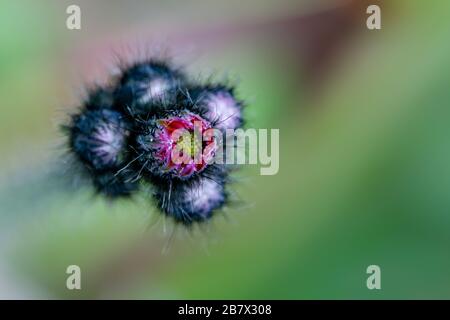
pixel 364 176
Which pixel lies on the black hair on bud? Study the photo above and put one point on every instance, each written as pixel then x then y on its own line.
pixel 98 138
pixel 145 85
pixel 114 185
pixel 100 98
pixel 191 201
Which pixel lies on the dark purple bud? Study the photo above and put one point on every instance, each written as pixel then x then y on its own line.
pixel 193 201
pixel 98 138
pixel 220 106
pixel 146 85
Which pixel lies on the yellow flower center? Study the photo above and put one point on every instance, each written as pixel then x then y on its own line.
pixel 187 144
